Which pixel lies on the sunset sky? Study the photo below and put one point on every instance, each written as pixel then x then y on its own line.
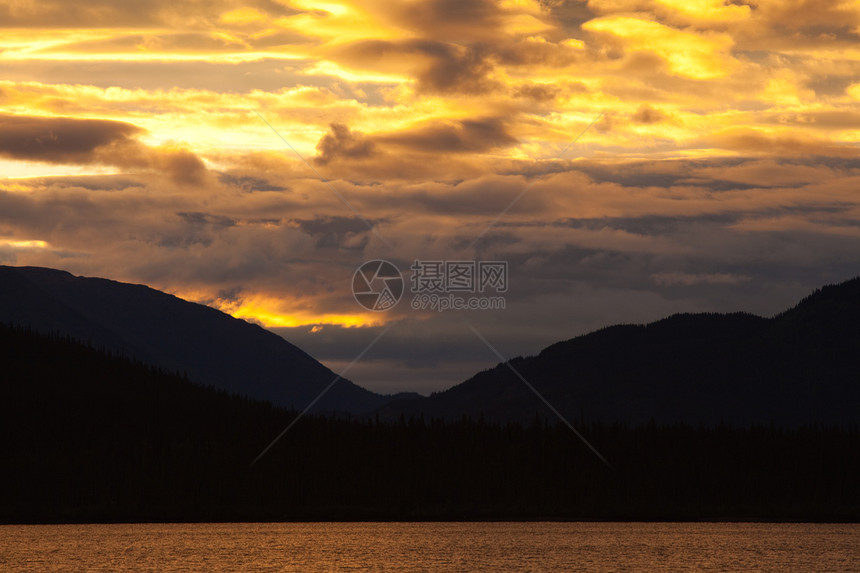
pixel 155 142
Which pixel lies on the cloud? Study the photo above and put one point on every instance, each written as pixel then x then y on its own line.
pixel 538 92
pixel 685 53
pixel 181 165
pixel 147 80
pixel 703 14
pixel 786 144
pixel 199 42
pixel 437 67
pixel 249 183
pixel 462 21
pixel 687 279
pixel 60 139
pixel 107 13
pixel 341 143
pixel 403 153
pixel 336 232
pixel 94 141
pixel 583 251
pixel 471 135
pixel 456 69
pixel 647 114
pixel 809 22
pixel 843 119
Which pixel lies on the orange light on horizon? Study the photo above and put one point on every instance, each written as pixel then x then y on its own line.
pixel 265 311
pixel 24 244
pixel 274 319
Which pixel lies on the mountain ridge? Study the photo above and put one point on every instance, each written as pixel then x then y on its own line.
pixel 209 346
pixel 797 367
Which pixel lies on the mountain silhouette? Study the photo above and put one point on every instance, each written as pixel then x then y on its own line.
pixel 801 366
pixel 208 346
pixel 87 435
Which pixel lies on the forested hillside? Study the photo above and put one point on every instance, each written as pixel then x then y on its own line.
pixel 90 436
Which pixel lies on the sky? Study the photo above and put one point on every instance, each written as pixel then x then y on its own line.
pixel 626 159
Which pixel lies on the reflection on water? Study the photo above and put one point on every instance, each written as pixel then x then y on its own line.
pixel 495 547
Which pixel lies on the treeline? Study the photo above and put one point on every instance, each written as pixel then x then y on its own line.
pixel 90 436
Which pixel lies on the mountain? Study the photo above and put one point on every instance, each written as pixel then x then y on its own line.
pixel 801 366
pixel 798 367
pixel 77 447
pixel 208 346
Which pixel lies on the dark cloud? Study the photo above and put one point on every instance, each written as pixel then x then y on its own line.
pixel 200 219
pixel 648 115
pixel 341 143
pixel 831 85
pixel 182 165
pixel 531 52
pixel 94 141
pixel 449 20
pixel 178 164
pixel 59 139
pixel 248 183
pixel 794 25
pixel 338 232
pixel 196 229
pixel 538 92
pixel 658 174
pixel 457 69
pixel 438 67
pixel 474 135
pixel 826 20
pixel 831 119
pixel 721 174
pixel 653 225
pixel 748 140
pixel 569 15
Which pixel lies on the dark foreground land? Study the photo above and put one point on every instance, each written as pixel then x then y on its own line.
pixel 90 436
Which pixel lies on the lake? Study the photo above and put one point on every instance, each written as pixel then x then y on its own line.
pixel 430 547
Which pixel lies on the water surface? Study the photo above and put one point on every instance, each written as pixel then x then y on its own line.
pixel 431 547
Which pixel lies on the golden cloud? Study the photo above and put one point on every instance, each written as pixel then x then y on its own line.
pixel 686 53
